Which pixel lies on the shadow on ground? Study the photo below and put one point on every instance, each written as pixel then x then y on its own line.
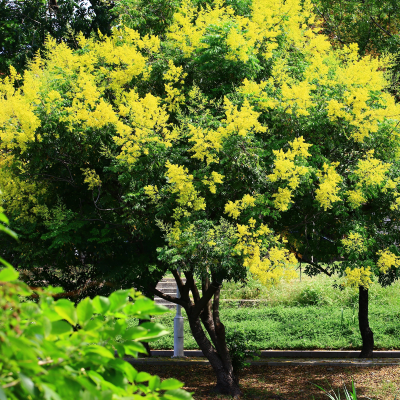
pixel 289 382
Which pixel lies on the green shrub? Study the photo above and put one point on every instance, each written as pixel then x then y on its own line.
pixel 239 349
pixel 53 350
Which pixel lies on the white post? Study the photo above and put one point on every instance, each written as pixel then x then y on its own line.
pixel 178 328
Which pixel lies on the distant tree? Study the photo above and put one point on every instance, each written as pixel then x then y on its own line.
pixel 372 24
pixel 24 26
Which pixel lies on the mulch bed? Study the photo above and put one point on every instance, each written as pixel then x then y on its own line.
pixel 288 382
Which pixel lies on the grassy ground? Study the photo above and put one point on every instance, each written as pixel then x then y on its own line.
pixel 310 314
pixel 290 383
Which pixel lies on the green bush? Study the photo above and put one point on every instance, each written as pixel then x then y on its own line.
pixel 53 350
pixel 239 349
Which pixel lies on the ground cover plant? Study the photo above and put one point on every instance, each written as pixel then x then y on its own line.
pixel 306 314
pixel 239 139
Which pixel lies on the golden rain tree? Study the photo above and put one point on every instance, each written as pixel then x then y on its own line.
pixel 234 142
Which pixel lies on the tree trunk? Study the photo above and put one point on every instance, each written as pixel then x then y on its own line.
pixel 227 383
pixel 203 310
pixel 363 323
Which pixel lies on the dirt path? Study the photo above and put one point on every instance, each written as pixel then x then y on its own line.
pixel 289 382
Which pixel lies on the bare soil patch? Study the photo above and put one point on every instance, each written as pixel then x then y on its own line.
pixel 288 382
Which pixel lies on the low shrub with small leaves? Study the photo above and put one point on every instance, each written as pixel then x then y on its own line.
pixel 239 349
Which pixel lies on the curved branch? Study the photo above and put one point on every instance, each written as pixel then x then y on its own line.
pixel 169 298
pixel 302 259
pixel 212 289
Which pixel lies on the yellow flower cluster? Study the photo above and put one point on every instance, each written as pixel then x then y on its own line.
pixel 274 266
pixel 355 198
pixel 182 184
pixel 285 169
pixel 152 192
pixel 387 260
pixel 18 122
pixel 207 143
pixel 297 97
pixel 148 124
pixel 358 277
pixel 371 171
pixel 174 76
pixel 362 77
pixel 327 192
pixel 354 243
pixel 211 183
pixel 241 122
pixel 20 196
pixel 233 209
pixel 246 35
pixel 91 178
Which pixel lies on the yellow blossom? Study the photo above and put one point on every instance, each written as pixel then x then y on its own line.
pixel 358 277
pixel 327 192
pixel 387 260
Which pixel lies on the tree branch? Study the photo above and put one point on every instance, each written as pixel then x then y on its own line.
pixel 181 286
pixel 207 296
pixel 171 299
pixel 192 285
pixel 380 27
pixel 302 259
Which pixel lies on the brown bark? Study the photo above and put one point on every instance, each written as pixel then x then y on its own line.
pixel 227 383
pixel 363 323
pixel 206 310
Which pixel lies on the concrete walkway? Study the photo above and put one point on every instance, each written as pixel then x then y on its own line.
pixel 280 358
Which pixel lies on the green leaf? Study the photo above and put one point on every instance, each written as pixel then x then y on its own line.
pixel 154 383
pixel 170 384
pixel 135 332
pixel 142 377
pixel 66 310
pixel 60 328
pixel 50 394
pixel 177 394
pixel 100 350
pixel 8 231
pixel 94 324
pixel 3 218
pixel 155 330
pixel 101 304
pixel 47 326
pixel 97 378
pixel 5 263
pixel 27 384
pixel 132 348
pixel 2 394
pixel 118 299
pixel 84 311
pixel 120 349
pixel 146 306
pixel 123 366
pixel 8 274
